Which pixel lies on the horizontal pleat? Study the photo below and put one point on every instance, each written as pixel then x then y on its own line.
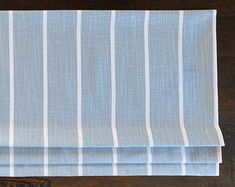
pixel 106 155
pixel 113 169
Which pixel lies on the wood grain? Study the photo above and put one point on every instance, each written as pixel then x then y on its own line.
pixel 226 75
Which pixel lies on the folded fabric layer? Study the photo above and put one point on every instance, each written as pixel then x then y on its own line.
pixel 105 155
pixel 108 78
pixel 107 170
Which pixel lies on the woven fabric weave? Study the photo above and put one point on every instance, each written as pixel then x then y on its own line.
pixel 108 93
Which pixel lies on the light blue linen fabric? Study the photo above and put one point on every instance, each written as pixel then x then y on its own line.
pixel 96 78
pixel 83 90
pixel 35 155
pixel 106 170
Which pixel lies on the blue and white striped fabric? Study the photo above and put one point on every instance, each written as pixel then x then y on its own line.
pixel 107 169
pixel 109 93
pixel 125 155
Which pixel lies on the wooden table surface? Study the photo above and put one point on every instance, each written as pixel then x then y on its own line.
pixel 226 76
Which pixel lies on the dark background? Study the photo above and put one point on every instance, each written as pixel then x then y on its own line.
pixel 226 76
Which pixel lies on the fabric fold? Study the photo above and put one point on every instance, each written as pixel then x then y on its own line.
pixel 127 155
pixel 107 170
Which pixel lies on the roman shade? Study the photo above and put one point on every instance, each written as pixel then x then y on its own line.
pixel 114 93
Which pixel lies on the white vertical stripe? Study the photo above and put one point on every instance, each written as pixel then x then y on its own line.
pixel 183 161
pixel 80 170
pixel 181 93
pixel 147 82
pixel 113 82
pixel 115 155
pixel 113 79
pixel 219 154
pixel 11 69
pixel 216 115
pixel 147 90
pixel 79 95
pixel 183 169
pixel 217 169
pixel 149 169
pixel 180 64
pixel 45 94
pixel 150 160
pixel 149 153
pixel 115 160
pixel 183 155
pixel 80 161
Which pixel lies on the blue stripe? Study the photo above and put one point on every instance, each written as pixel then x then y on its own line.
pixel 4 79
pixel 96 78
pixel 62 61
pixel 130 82
pixel 163 53
pixel 198 78
pixel 28 75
